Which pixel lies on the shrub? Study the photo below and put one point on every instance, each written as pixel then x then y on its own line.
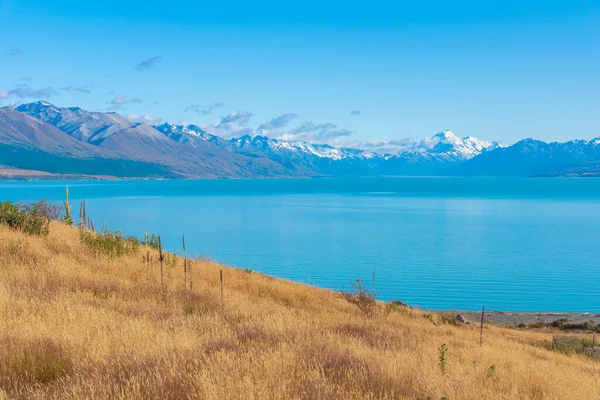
pixel 46 209
pixel 450 318
pixel 571 345
pixel 563 324
pixel 26 218
pixel 361 297
pixel 112 243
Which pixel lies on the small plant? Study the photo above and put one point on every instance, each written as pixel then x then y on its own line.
pixel 83 219
pixel 365 299
pixel 111 243
pixel 67 217
pixel 399 307
pixel 450 318
pixel 491 370
pixel 361 297
pixel 572 345
pixel 443 352
pixel 153 241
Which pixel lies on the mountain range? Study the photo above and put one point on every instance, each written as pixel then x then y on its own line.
pixel 71 141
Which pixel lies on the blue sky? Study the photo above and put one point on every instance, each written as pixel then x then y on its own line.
pixel 346 71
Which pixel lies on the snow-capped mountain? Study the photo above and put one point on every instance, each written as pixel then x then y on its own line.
pixel 535 157
pixel 444 145
pixel 80 124
pixel 117 137
pixel 447 146
pixel 435 155
pixel 281 147
pixel 190 151
pixel 190 134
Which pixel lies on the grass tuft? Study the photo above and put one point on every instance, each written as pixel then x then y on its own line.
pixel 32 361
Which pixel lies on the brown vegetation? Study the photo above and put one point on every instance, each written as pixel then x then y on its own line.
pixel 81 323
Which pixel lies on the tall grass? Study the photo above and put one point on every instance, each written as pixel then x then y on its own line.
pixel 76 322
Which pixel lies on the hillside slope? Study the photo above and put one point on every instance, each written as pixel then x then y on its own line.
pixel 30 144
pixel 77 325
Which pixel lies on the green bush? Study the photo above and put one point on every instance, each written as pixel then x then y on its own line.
pixel 450 318
pixel 112 243
pixel 29 218
pixel 45 208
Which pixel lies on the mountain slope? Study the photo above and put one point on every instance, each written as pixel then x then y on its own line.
pixel 18 129
pixel 534 157
pixel 80 124
pixel 31 144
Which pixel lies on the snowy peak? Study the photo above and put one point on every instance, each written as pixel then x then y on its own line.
pixel 443 145
pixel 186 133
pixel 80 124
pixel 447 146
pixel 282 147
pixel 446 137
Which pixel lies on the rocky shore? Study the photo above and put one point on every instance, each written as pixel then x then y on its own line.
pixel 516 318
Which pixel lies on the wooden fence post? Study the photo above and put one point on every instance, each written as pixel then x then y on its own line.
pixel 481 332
pixel 162 279
pixel 184 264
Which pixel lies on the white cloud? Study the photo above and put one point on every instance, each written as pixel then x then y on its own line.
pixel 204 110
pixel 278 122
pixel 149 119
pixel 232 125
pixel 119 101
pixel 315 133
pixel 24 91
pixel 79 89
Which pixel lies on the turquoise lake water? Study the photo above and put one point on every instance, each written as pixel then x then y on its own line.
pixel 508 244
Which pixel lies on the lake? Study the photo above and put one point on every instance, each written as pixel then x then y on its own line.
pixel 512 244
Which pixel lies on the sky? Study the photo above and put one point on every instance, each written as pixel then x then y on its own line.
pixel 340 72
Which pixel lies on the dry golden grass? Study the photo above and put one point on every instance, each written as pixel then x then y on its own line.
pixel 76 325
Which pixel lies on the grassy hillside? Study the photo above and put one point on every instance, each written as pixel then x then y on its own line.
pixel 76 323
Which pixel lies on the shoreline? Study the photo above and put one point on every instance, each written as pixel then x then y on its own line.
pixel 524 317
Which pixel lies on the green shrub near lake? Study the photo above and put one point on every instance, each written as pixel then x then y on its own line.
pixel 32 218
pixel 111 243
